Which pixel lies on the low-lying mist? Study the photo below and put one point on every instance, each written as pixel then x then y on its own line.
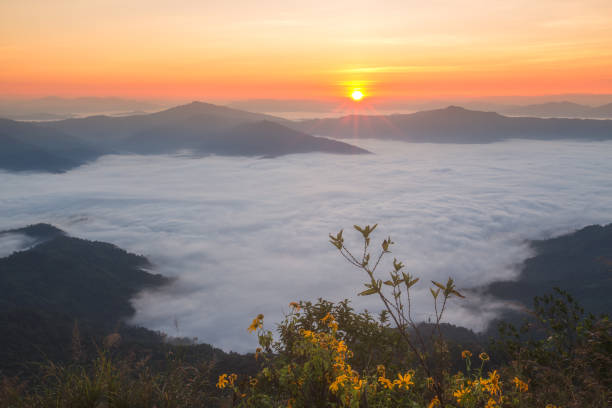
pixel 247 236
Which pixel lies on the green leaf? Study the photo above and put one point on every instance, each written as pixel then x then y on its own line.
pixel 410 282
pixel 435 293
pixel 365 231
pixel 386 243
pixel 368 292
pixel 337 241
pixel 439 285
pixel 457 294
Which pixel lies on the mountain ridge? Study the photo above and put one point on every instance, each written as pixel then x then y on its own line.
pixel 457 125
pixel 212 129
pixel 200 127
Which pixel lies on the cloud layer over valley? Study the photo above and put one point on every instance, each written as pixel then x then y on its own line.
pixel 246 235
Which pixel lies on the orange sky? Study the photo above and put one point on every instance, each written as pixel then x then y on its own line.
pixel 211 50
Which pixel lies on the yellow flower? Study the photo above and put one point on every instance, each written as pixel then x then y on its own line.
pixel 256 324
pixel 309 335
pixel 380 369
pixel 257 352
pixel 465 354
pixel 340 380
pixel 222 381
pixel 385 382
pixel 358 384
pixel 491 384
pixel 520 385
pixel 232 378
pixel 429 382
pixel 253 382
pixel 460 393
pixel 404 381
pixel 295 305
pixel 434 403
pixel 334 387
pixel 491 403
pixel 483 356
pixel 341 348
pixel 327 317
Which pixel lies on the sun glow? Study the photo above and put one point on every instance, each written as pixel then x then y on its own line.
pixel 357 95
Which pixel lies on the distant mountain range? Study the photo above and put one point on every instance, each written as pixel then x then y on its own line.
pixel 202 128
pixel 211 129
pixel 456 125
pixel 560 106
pixel 199 127
pixel 563 109
pixel 56 108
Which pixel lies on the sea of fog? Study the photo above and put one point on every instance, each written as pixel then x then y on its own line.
pixel 245 236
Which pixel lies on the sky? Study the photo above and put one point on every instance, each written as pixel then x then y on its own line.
pixel 246 235
pixel 319 49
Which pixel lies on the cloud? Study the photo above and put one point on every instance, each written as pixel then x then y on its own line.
pixel 10 243
pixel 247 236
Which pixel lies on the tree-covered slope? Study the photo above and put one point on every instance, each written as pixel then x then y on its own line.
pixel 62 280
pixel 579 263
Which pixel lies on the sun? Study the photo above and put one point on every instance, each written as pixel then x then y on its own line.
pixel 357 95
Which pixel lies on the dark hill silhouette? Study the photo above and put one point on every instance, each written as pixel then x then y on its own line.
pixel 40 232
pixel 457 125
pixel 36 233
pixel 61 283
pixel 66 289
pixel 83 279
pixel 580 263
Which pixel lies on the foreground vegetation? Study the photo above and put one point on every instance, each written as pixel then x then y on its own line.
pixel 328 355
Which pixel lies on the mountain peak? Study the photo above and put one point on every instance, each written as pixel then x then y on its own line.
pixel 456 112
pixel 198 108
pixel 38 231
pixel 455 108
